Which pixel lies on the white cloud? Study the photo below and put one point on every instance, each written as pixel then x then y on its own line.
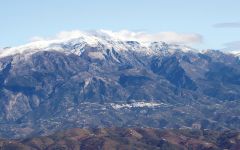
pixel 227 25
pixel 232 46
pixel 169 37
pixel 69 34
pixel 125 35
pixel 36 38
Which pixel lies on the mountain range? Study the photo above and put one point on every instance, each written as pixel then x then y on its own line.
pixel 96 80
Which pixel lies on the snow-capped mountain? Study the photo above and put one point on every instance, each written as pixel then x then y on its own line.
pixel 75 44
pixel 97 79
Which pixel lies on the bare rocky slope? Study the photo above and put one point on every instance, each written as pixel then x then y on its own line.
pixel 128 139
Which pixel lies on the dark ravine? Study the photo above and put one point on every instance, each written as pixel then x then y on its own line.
pixel 128 139
pixel 47 91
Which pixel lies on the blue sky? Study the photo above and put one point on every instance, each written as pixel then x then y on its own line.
pixel 217 21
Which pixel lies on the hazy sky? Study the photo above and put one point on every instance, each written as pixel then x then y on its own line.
pixel 217 21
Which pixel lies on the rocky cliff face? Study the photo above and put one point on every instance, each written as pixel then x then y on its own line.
pixel 105 82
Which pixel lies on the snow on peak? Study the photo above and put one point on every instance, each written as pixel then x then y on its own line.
pixel 40 44
pixel 236 53
pixel 122 40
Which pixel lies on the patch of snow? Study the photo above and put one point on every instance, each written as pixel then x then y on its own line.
pixel 87 81
pixel 96 55
pixel 235 53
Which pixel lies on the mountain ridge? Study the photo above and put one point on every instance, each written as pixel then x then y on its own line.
pixel 95 39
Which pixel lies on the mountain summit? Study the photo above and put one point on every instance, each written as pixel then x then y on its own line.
pixel 75 41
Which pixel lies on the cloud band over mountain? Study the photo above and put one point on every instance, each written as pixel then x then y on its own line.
pixel 169 37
